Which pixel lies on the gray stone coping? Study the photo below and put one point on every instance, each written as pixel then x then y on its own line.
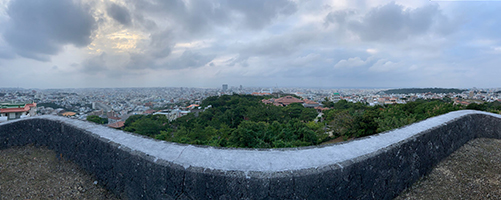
pixel 262 160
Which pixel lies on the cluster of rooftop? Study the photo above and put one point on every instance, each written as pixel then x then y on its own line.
pixel 10 111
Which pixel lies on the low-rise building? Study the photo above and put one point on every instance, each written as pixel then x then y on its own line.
pixel 10 111
pixel 283 101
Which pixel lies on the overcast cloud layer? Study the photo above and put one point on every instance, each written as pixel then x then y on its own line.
pixel 285 43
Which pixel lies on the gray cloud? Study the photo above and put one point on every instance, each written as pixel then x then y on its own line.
pixel 202 14
pixel 185 21
pixel 6 53
pixel 391 22
pixel 38 29
pixel 145 23
pixel 101 66
pixel 339 17
pixel 160 46
pixel 275 46
pixel 259 13
pixel 198 16
pixel 140 61
pixel 94 65
pixel 119 13
pixel 190 59
pixel 256 42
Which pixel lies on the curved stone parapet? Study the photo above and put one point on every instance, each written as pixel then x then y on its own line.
pixel 137 167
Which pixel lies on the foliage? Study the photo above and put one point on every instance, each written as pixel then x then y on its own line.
pixel 96 119
pixel 475 106
pixel 357 120
pixel 236 121
pixel 149 125
pixel 494 107
pixel 244 121
pixel 327 103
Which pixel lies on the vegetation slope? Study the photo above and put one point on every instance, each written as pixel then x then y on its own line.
pixel 244 121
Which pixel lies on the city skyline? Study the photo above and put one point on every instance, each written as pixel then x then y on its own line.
pixel 204 44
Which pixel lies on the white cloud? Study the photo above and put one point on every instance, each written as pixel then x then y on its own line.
pixel 384 65
pixel 371 51
pixel 351 62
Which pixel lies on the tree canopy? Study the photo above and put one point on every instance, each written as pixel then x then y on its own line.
pixel 96 119
pixel 244 121
pixel 235 121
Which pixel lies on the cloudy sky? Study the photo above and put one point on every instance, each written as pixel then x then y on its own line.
pixel 285 43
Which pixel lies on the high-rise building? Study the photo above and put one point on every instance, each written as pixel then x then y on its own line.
pixel 225 87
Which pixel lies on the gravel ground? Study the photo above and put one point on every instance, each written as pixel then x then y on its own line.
pixel 472 172
pixel 38 173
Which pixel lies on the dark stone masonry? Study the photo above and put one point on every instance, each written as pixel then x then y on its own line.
pixel 136 167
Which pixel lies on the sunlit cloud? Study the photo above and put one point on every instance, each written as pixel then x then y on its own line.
pixel 371 51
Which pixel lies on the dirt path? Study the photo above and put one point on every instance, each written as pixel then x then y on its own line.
pixel 37 173
pixel 472 172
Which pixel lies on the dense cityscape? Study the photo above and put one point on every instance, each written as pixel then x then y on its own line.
pixel 117 104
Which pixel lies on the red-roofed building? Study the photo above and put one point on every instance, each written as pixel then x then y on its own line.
pixel 16 111
pixel 284 101
pixel 113 119
pixel 261 93
pixel 320 109
pixel 118 124
pixel 150 111
pixel 310 104
pixel 266 101
pixel 193 106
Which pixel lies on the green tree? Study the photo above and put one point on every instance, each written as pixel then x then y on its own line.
pixel 308 114
pixel 474 106
pixel 96 119
pixel 327 103
pixel 366 124
pixel 249 134
pixel 147 126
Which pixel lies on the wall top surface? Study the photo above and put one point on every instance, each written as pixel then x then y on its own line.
pixel 263 160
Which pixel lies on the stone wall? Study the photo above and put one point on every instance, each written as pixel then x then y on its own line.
pixel 136 167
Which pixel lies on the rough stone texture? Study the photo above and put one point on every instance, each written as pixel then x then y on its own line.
pixel 376 167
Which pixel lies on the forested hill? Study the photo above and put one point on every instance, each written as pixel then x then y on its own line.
pixel 423 90
pixel 236 121
pixel 244 121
